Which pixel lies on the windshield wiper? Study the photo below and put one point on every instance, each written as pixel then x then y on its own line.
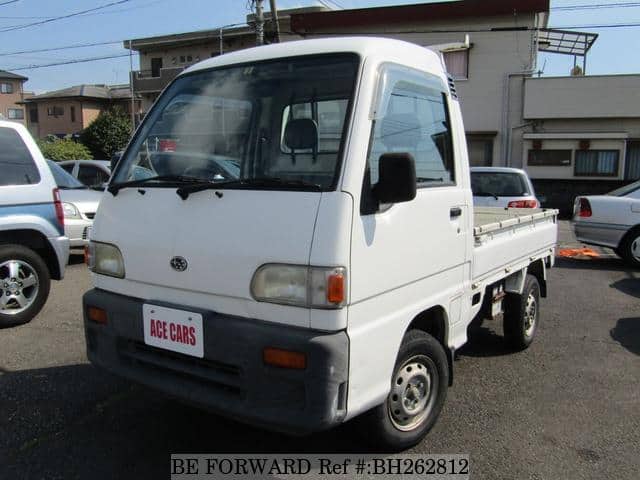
pixel 266 182
pixel 487 194
pixel 114 188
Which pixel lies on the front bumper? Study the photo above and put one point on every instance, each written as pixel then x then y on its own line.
pixel 78 231
pixel 231 379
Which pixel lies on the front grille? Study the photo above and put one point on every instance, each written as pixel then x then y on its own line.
pixel 90 215
pixel 224 377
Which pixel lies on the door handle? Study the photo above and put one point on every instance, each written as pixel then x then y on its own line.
pixel 455 212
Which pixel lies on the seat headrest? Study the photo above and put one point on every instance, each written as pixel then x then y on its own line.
pixel 301 134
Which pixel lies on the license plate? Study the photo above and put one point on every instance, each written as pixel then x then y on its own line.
pixel 176 330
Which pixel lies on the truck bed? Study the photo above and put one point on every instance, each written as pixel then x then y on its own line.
pixel 506 240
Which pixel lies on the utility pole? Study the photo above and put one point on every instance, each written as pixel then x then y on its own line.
pixel 274 19
pixel 133 98
pixel 259 22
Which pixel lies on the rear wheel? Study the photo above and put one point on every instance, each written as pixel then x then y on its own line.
pixel 630 248
pixel 521 314
pixel 418 391
pixel 24 284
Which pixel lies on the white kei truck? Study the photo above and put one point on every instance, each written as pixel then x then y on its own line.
pixel 301 247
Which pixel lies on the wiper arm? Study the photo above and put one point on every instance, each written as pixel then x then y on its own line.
pixel 114 188
pixel 487 194
pixel 267 182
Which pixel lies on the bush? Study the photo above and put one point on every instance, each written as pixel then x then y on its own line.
pixel 108 133
pixel 63 149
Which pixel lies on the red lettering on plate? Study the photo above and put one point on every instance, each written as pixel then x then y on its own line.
pixel 179 334
pixel 192 335
pixel 172 332
pixel 153 328
pixel 164 330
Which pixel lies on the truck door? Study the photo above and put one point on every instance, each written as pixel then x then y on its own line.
pixel 417 249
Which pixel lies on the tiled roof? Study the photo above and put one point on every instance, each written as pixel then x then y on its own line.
pixel 5 74
pixel 103 92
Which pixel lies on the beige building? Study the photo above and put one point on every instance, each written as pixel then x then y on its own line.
pixel 491 49
pixel 162 58
pixel 11 94
pixel 70 110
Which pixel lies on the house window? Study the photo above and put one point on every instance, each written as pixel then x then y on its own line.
pixel 183 59
pixel 189 58
pixel 6 87
pixel 16 114
pixel 597 163
pixel 457 63
pixel 55 111
pixel 480 148
pixel 72 112
pixel 549 158
pixel 33 115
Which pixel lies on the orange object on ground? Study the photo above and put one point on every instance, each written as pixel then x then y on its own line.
pixel 578 253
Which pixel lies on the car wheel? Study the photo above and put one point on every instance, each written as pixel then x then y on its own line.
pixel 418 391
pixel 522 314
pixel 24 284
pixel 630 248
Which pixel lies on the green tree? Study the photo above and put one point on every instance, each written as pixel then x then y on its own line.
pixel 63 149
pixel 108 133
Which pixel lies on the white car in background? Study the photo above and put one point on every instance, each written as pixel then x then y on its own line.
pixel 92 173
pixel 79 204
pixel 502 187
pixel 611 220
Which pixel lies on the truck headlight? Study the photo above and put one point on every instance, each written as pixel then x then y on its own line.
pixel 71 211
pixel 299 285
pixel 105 259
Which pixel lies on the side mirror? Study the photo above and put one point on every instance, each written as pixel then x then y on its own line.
pixel 396 178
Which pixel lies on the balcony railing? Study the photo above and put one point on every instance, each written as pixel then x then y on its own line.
pixel 145 81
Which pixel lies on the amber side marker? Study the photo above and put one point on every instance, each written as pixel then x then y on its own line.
pixel 97 315
pixel 278 357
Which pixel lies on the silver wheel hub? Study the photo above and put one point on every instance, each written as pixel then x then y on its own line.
pixel 635 249
pixel 530 314
pixel 18 286
pixel 412 393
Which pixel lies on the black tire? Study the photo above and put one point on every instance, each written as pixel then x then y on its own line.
pixel 630 248
pixel 28 259
pixel 380 426
pixel 522 314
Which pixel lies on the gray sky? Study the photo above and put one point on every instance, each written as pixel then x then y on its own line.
pixel 615 50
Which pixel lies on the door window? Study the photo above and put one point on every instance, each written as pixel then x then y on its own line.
pixel 415 119
pixel 16 163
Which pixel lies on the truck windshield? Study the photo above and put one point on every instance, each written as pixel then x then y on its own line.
pixel 273 124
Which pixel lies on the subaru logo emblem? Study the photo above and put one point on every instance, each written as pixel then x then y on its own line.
pixel 179 264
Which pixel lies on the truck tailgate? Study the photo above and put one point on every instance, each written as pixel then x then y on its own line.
pixel 507 239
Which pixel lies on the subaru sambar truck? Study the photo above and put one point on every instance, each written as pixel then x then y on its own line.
pixel 303 248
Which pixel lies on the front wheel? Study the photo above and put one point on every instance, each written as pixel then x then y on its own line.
pixel 521 314
pixel 418 391
pixel 24 284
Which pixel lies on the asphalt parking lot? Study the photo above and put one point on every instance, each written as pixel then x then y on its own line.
pixel 569 407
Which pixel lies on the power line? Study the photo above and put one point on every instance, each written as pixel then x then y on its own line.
pixel 597 6
pixel 69 62
pixel 53 19
pixel 53 49
pixel 7 3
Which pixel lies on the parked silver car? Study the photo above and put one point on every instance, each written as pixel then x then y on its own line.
pixel 79 204
pixel 611 220
pixel 502 187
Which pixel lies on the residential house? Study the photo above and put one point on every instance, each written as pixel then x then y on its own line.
pixel 11 94
pixel 70 110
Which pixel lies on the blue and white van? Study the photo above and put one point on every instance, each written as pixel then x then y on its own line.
pixel 33 248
